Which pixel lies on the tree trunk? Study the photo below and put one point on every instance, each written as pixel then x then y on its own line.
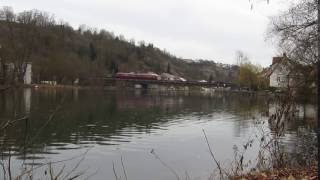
pixel 318 65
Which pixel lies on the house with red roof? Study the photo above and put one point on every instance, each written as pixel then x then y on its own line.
pixel 282 73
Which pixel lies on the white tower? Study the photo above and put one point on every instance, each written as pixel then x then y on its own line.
pixel 27 79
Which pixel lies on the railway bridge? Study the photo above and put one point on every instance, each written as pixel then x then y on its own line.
pixel 167 83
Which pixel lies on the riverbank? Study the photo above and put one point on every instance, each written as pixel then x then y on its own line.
pixel 36 86
pixel 189 91
pixel 204 90
pixel 63 86
pixel 307 173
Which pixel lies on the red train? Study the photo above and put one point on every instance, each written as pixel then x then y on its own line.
pixel 138 76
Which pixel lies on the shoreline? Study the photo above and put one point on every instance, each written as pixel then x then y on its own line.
pixel 113 88
pixel 261 92
pixel 290 173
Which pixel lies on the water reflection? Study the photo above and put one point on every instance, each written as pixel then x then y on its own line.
pixel 27 100
pixel 135 121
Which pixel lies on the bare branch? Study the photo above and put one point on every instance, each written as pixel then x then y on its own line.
pixel 124 171
pixel 212 155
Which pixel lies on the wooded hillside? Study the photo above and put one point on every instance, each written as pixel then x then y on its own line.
pixel 60 52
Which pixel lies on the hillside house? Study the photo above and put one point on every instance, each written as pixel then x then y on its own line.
pixel 167 77
pixel 170 77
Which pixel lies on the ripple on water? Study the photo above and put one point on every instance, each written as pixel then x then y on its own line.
pixel 170 126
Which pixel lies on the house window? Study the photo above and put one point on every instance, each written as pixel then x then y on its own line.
pixel 278 79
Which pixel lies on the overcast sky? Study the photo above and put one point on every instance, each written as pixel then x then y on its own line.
pixel 201 29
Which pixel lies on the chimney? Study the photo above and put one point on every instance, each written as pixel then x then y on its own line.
pixel 285 55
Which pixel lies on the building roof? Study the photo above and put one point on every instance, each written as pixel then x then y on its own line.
pixel 277 62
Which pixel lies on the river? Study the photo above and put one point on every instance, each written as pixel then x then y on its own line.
pixel 149 135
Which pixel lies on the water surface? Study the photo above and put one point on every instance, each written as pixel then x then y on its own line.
pixel 95 128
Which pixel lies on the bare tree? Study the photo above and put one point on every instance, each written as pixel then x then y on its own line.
pixel 296 31
pixel 22 31
pixel 241 57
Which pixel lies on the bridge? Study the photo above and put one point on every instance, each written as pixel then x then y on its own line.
pixel 146 83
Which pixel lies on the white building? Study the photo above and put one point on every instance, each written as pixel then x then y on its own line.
pixel 281 74
pixel 167 76
pixel 170 77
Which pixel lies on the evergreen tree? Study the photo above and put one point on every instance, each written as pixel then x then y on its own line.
pixel 210 78
pixel 93 52
pixel 114 68
pixel 168 68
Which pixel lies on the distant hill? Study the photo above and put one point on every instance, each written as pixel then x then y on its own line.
pixel 59 52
